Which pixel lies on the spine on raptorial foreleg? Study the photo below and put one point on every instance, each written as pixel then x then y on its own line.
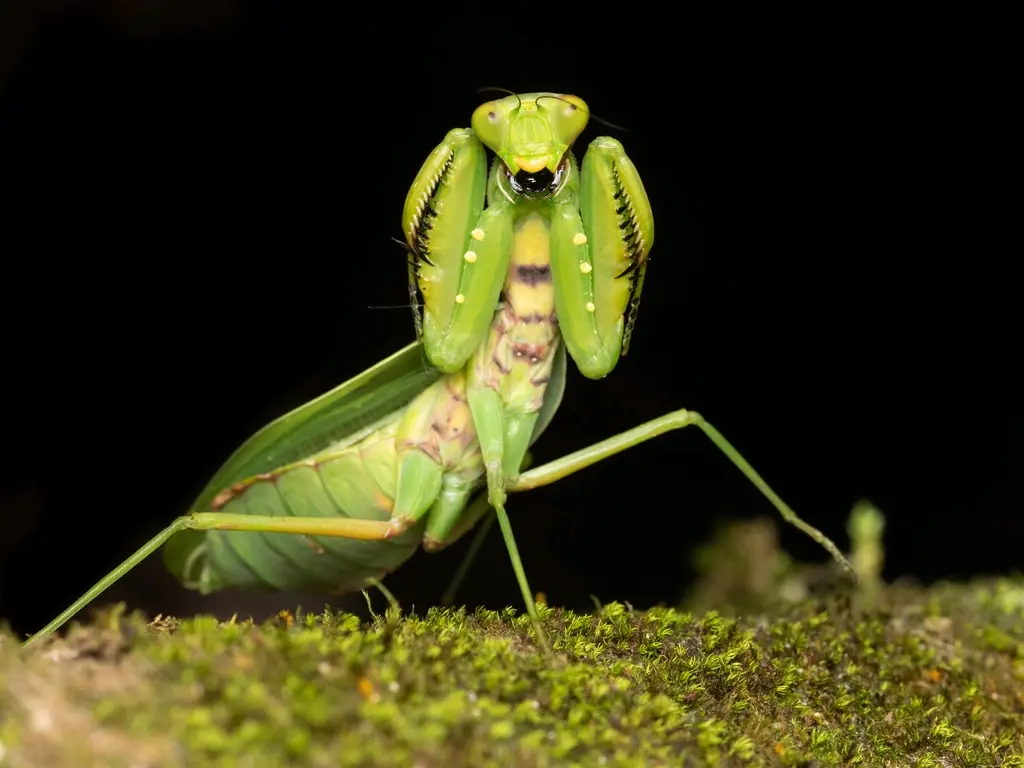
pixel 459 250
pixel 600 241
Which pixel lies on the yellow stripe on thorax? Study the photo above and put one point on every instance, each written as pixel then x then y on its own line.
pixel 528 287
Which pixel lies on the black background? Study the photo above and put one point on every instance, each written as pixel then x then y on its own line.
pixel 199 206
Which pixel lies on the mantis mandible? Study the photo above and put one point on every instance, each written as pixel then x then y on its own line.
pixel 518 267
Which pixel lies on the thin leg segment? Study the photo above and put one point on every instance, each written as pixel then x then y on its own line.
pixel 524 586
pixel 345 528
pixel 567 465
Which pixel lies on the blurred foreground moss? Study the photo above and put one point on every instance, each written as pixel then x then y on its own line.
pixel 917 677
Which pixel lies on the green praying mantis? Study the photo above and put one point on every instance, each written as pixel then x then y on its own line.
pixel 512 268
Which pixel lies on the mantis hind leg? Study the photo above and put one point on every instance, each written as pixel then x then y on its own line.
pixel 347 528
pixel 567 465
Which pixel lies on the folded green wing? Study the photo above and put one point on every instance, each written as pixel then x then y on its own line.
pixel 354 405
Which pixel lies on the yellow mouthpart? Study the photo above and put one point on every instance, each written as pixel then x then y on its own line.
pixel 531 164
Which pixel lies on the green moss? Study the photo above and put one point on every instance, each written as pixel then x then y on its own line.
pixel 930 678
pixel 892 676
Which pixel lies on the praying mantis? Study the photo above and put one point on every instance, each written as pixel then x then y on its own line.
pixel 514 266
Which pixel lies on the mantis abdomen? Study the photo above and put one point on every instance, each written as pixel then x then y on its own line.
pixel 357 477
pixel 357 481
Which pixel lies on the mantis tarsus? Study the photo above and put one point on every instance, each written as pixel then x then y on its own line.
pixel 516 267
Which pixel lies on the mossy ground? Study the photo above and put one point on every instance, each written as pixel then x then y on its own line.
pixel 912 677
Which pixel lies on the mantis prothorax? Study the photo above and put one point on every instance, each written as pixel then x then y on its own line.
pixel 516 266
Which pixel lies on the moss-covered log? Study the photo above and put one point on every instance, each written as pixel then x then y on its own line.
pixel 925 677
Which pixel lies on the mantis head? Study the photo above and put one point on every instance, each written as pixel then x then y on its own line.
pixel 532 134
